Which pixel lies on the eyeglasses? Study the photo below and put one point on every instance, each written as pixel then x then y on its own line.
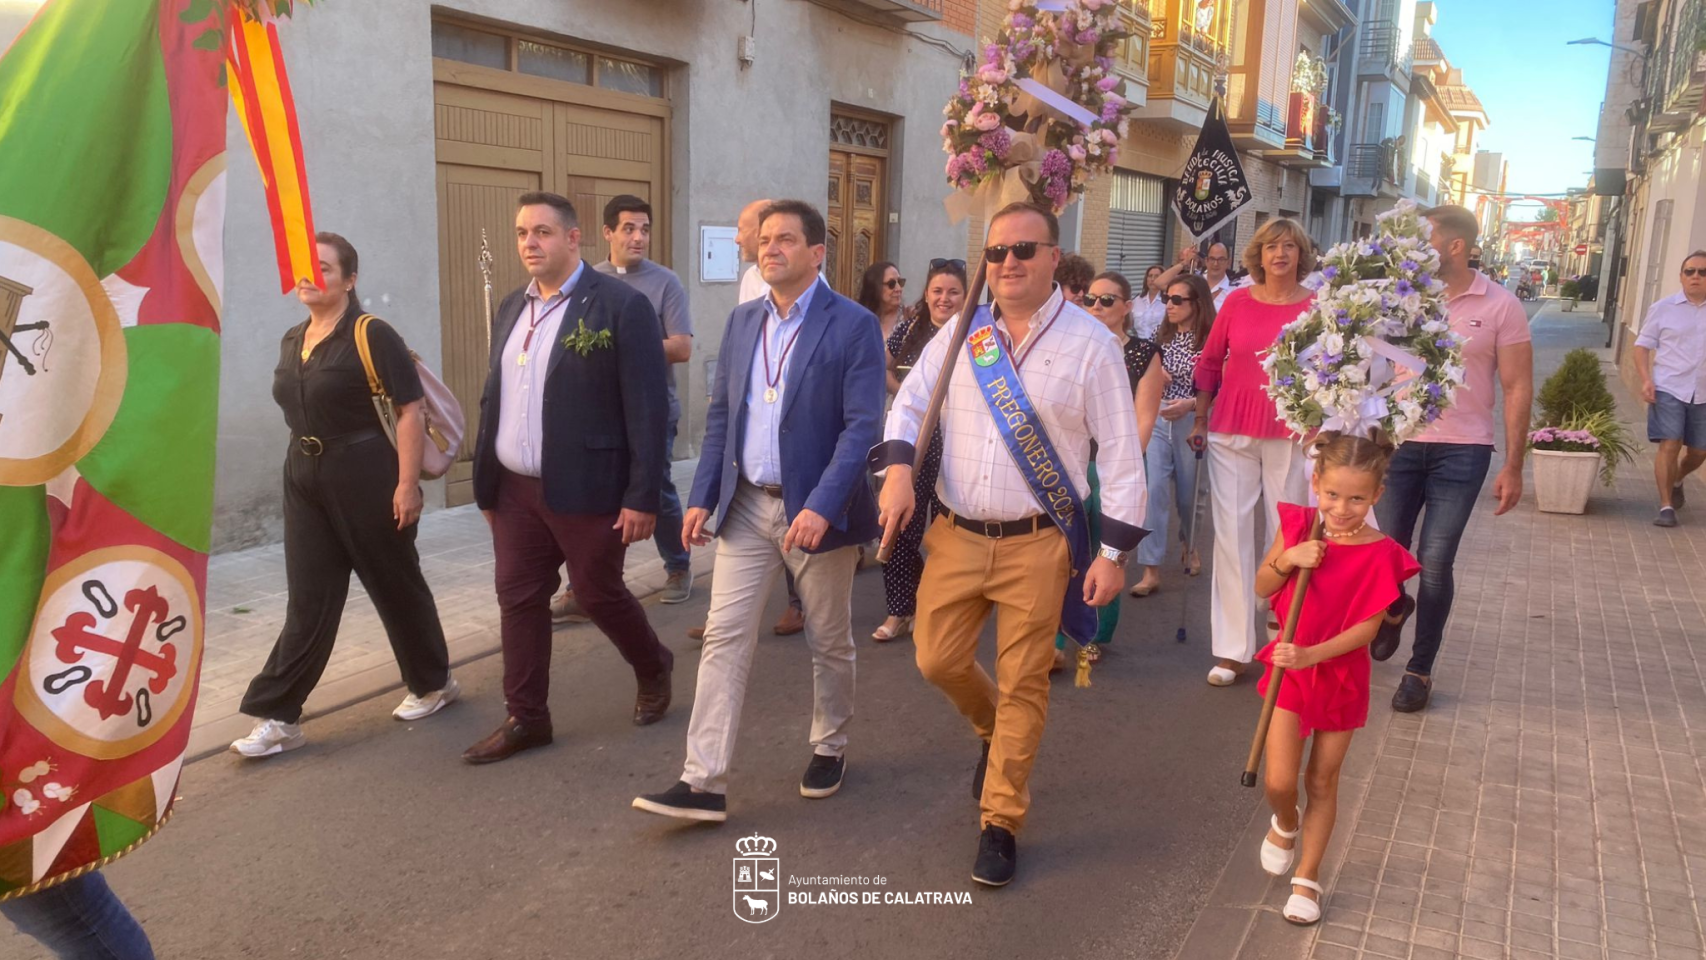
pixel 939 263
pixel 1177 301
pixel 895 284
pixel 1023 250
pixel 1686 271
pixel 1105 300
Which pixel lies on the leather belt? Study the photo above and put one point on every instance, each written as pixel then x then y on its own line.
pixel 315 446
pixel 997 529
pixel 772 490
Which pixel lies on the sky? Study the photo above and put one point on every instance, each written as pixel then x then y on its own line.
pixel 1538 92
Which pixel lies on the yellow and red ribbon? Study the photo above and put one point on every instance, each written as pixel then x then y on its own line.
pixel 260 90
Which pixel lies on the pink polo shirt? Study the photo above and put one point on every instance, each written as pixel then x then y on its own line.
pixel 1231 366
pixel 1488 317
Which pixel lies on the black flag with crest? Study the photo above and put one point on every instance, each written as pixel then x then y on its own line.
pixel 1212 188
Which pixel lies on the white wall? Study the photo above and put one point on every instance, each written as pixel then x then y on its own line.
pixel 362 74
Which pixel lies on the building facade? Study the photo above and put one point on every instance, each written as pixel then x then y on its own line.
pixel 417 147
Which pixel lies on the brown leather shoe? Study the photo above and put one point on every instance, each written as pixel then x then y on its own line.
pixel 508 740
pixel 696 633
pixel 792 622
pixel 652 702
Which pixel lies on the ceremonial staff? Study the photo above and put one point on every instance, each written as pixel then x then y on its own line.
pixel 486 272
pixel 1276 673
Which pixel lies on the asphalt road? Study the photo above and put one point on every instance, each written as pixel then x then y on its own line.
pixel 376 841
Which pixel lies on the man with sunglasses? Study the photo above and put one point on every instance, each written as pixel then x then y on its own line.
pixel 1671 355
pixel 1038 382
pixel 1218 261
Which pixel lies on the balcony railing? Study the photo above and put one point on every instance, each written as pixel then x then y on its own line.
pixel 1366 169
pixel 1182 57
pixel 1676 75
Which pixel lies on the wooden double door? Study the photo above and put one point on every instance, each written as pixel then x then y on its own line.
pixel 498 136
pixel 857 213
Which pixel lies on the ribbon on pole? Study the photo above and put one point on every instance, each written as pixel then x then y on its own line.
pixel 260 91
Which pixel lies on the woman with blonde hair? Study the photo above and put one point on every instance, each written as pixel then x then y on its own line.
pixel 1251 453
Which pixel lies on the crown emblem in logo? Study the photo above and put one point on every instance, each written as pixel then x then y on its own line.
pixel 755 846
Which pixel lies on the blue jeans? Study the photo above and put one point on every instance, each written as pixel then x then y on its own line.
pixel 1172 473
pixel 80 919
pixel 667 534
pixel 1439 482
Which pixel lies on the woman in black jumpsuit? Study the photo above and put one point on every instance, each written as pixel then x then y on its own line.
pixel 351 503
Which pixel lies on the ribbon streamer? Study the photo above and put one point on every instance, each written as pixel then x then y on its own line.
pixel 1057 102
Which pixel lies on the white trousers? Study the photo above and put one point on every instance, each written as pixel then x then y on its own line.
pixel 1246 470
pixel 749 560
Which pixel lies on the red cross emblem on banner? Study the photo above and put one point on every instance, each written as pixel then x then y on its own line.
pixel 76 637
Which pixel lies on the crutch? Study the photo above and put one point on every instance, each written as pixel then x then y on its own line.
pixel 1197 447
pixel 1277 674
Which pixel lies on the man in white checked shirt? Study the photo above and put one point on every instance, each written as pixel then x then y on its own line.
pixel 995 546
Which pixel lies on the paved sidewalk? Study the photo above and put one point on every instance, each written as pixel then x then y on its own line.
pixel 245 610
pixel 1549 803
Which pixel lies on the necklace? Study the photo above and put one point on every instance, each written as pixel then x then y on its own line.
pixel 770 381
pixel 1347 534
pixel 534 319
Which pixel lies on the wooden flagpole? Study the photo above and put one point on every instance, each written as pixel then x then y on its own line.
pixel 1277 674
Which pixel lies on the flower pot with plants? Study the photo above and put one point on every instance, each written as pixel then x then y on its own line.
pixel 1579 436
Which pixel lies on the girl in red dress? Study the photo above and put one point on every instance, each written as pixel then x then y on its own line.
pixel 1358 574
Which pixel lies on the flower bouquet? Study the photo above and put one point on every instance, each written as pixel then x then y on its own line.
pixel 1374 349
pixel 1043 112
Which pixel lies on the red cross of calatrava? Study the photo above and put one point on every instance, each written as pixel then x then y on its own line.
pixel 76 638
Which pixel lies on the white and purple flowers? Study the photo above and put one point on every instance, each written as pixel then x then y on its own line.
pixel 1374 349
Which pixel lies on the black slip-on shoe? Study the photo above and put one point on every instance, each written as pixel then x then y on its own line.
pixel 682 803
pixel 1412 695
pixel 1387 638
pixel 823 776
pixel 997 857
pixel 1666 517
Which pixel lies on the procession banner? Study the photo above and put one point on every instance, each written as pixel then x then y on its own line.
pixel 112 197
pixel 1212 188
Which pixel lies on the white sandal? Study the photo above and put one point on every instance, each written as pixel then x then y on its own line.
pixel 1300 909
pixel 1277 860
pixel 1222 677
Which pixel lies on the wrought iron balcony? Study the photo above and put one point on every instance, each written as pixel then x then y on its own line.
pixel 1676 71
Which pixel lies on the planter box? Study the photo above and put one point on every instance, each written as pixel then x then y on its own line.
pixel 1563 481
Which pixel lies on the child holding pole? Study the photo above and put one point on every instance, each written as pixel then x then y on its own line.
pixel 1357 573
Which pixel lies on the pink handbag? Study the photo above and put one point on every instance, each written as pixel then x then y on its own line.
pixel 439 409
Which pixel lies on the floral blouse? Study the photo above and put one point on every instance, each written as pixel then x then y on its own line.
pixel 1179 359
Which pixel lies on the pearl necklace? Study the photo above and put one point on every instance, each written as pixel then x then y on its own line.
pixel 1347 534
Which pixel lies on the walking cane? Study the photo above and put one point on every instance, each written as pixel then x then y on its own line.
pixel 1197 447
pixel 933 413
pixel 1277 674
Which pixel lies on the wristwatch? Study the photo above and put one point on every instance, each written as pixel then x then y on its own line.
pixel 1117 557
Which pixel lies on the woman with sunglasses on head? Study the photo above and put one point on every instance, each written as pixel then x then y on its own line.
pixel 1168 458
pixel 1109 301
pixel 944 297
pixel 1250 451
pixel 882 290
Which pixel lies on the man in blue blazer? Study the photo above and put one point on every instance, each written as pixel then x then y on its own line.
pixel 567 465
pixel 797 400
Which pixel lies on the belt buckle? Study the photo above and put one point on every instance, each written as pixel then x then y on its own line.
pixel 311 446
pixel 992 529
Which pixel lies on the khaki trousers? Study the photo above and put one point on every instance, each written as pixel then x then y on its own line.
pixel 1025 579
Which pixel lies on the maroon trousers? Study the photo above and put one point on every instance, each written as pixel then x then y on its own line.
pixel 530 542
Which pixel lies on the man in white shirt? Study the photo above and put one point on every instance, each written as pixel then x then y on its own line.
pixel 996 545
pixel 1671 355
pixel 1218 261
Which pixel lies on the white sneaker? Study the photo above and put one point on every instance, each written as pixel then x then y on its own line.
pixel 416 708
pixel 270 737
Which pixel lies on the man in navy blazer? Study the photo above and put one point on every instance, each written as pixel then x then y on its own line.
pixel 798 395
pixel 567 465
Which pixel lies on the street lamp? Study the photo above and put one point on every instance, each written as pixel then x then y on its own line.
pixel 1588 139
pixel 1595 41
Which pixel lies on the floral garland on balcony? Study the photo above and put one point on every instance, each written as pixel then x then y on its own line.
pixel 1043 112
pixel 1374 349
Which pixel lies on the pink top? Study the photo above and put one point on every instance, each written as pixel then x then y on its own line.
pixel 1231 366
pixel 1489 317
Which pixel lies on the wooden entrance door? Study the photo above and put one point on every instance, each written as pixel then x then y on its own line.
pixel 494 145
pixel 857 209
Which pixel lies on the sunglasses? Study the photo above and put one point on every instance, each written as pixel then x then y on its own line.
pixel 1177 301
pixel 939 263
pixel 1105 300
pixel 896 284
pixel 1686 271
pixel 1023 250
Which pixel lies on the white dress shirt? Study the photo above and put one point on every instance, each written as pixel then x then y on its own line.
pixel 1675 330
pixel 1220 290
pixel 761 444
pixel 521 402
pixel 1146 315
pixel 1074 374
pixel 752 285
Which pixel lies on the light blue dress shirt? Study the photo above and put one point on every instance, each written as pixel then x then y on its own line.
pixel 761 446
pixel 521 402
